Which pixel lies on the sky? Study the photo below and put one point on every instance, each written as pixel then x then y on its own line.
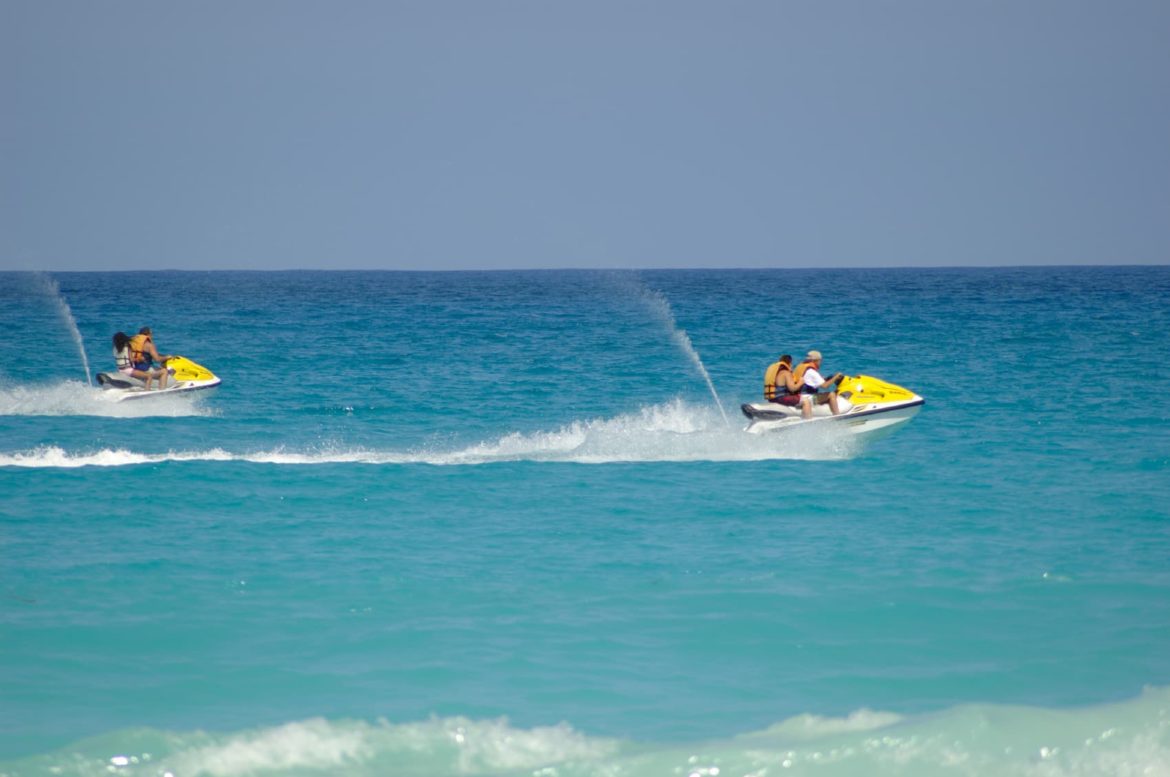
pixel 508 134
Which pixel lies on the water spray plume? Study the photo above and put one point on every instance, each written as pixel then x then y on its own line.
pixel 661 307
pixel 66 315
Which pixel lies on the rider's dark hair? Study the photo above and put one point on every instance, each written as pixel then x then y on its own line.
pixel 120 340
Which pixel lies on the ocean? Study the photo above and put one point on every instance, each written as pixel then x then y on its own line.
pixel 509 523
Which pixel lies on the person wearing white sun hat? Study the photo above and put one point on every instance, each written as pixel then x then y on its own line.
pixel 808 375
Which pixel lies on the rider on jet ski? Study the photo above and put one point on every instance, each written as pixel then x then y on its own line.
pixel 779 384
pixel 810 380
pixel 127 363
pixel 142 350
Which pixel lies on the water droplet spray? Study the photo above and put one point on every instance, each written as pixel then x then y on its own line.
pixel 52 290
pixel 658 303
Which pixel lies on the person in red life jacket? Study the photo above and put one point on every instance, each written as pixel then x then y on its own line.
pixel 124 360
pixel 143 353
pixel 808 376
pixel 780 385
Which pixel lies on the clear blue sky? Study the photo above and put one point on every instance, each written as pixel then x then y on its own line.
pixel 478 134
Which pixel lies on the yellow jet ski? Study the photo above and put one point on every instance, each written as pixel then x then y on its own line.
pixel 185 375
pixel 866 404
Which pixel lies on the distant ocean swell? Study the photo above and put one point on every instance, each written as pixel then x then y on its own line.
pixel 675 431
pixel 1128 738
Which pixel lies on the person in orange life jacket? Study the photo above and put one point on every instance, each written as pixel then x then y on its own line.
pixel 124 360
pixel 142 352
pixel 811 382
pixel 779 384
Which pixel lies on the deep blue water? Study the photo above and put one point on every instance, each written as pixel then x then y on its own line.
pixel 496 523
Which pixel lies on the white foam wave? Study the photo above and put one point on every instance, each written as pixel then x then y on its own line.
pixel 310 744
pixel 1126 738
pixel 53 457
pixel 675 431
pixel 814 726
pixel 76 398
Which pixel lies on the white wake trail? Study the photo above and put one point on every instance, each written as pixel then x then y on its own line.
pixel 69 397
pixel 671 432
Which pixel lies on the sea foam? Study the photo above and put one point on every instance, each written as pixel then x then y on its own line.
pixel 1128 738
pixel 71 397
pixel 674 431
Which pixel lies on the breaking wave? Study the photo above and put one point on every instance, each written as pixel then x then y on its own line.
pixel 1128 738
pixel 675 431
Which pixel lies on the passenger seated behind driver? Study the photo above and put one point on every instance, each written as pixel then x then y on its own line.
pixel 780 385
pixel 124 360
pixel 811 382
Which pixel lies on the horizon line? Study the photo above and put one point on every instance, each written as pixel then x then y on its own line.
pixel 826 268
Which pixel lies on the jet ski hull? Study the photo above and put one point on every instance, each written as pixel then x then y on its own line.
pixel 867 405
pixel 185 376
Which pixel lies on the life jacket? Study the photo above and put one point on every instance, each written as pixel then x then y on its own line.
pixel 798 374
pixel 122 358
pixel 138 354
pixel 772 377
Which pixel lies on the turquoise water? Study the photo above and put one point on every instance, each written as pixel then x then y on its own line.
pixel 496 524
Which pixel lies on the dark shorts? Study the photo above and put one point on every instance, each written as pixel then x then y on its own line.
pixel 792 400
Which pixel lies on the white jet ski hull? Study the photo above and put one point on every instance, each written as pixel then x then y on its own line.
pixel 185 376
pixel 139 391
pixel 866 405
pixel 858 419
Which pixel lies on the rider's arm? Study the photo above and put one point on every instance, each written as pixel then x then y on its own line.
pixel 154 352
